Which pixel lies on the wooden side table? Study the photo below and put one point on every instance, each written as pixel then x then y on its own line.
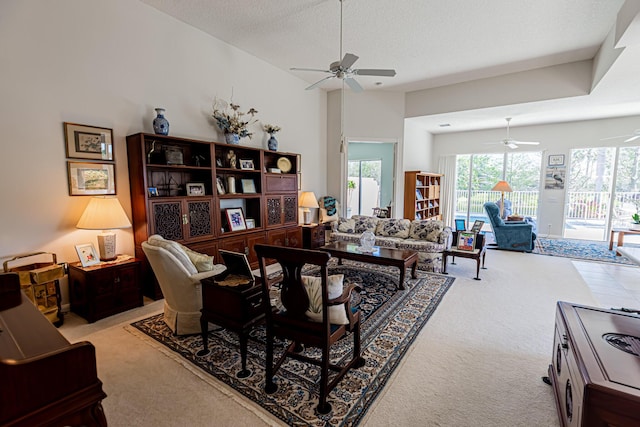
pixel 104 289
pixel 479 252
pixel 312 236
pixel 621 232
pixel 235 308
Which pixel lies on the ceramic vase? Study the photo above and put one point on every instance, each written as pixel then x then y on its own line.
pixel 232 138
pixel 160 123
pixel 272 143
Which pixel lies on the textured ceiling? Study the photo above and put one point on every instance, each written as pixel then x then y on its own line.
pixel 430 43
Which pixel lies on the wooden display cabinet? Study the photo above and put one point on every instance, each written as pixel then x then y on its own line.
pixel 422 195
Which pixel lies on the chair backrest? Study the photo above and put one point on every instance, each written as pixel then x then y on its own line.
pixel 493 212
pixel 293 293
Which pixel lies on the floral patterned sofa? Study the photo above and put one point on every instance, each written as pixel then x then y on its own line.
pixel 428 238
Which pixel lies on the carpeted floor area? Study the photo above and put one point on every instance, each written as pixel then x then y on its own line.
pixel 392 320
pixel 579 249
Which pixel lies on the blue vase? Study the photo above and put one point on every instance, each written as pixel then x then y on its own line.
pixel 232 138
pixel 160 124
pixel 272 143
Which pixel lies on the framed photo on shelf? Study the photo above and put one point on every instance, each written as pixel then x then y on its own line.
pixel 461 225
pixel 153 191
pixel 466 240
pixel 477 226
pixel 88 179
pixel 218 162
pixel 246 164
pixel 235 217
pixel 248 186
pixel 556 159
pixel 87 254
pixel 195 189
pixel 251 223
pixel 88 142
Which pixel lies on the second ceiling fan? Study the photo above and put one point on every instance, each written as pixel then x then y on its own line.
pixel 510 142
pixel 343 69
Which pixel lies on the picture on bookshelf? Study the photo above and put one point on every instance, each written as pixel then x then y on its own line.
pixel 477 226
pixel 248 186
pixel 466 240
pixel 235 217
pixel 220 186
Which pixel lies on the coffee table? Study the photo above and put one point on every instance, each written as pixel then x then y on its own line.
pixel 621 232
pixel 400 258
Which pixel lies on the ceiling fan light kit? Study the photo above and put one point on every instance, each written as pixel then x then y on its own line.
pixel 342 69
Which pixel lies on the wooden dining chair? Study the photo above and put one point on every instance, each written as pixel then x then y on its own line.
pixel 294 322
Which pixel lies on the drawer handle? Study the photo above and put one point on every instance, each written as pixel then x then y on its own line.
pixel 116 280
pixel 565 341
pixel 256 304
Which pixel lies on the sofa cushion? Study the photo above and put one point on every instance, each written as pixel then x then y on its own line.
pixel 347 225
pixel 313 286
pixel 175 249
pixel 365 223
pixel 426 230
pixel 393 228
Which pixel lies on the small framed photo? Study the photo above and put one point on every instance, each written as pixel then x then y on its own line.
pixel 556 159
pixel 477 226
pixel 220 186
pixel 174 156
pixel 246 164
pixel 251 223
pixel 87 254
pixel 87 179
pixel 235 217
pixel 88 142
pixel 461 225
pixel 153 191
pixel 248 186
pixel 195 189
pixel 466 240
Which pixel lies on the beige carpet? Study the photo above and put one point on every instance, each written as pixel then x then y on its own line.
pixel 477 362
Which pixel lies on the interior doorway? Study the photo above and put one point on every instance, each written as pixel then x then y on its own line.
pixel 370 176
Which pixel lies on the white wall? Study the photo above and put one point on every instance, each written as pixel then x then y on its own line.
pixel 558 138
pixel 369 116
pixel 108 64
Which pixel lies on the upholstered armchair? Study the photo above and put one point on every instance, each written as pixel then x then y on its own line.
pixel 510 235
pixel 179 271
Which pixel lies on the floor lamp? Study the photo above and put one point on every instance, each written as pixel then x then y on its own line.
pixel 502 187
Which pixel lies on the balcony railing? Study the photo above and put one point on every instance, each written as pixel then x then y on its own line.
pixel 524 203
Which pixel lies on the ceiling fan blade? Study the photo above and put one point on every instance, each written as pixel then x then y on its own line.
pixel 616 137
pixel 348 60
pixel 310 69
pixel 316 84
pixel 633 138
pixel 511 145
pixel 354 85
pixel 374 72
pixel 525 142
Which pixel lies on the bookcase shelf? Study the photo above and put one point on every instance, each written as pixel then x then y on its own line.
pixel 422 195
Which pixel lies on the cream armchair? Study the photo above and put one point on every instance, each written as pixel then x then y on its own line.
pixel 175 269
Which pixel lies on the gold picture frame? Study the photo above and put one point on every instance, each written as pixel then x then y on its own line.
pixel 88 142
pixel 90 179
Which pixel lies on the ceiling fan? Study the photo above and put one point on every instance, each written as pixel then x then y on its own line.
pixel 632 137
pixel 510 142
pixel 343 69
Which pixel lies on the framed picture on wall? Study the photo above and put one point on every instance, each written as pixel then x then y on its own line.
pixel 88 142
pixel 556 160
pixel 88 179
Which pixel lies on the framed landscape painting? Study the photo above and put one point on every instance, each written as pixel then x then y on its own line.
pixel 88 142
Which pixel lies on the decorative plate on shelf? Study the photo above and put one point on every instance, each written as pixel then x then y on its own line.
pixel 284 164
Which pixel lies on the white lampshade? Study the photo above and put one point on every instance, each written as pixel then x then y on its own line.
pixel 104 213
pixel 306 201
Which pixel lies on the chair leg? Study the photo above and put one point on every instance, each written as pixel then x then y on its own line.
pixel 323 406
pixel 269 386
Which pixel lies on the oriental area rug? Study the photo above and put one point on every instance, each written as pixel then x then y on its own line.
pixel 392 320
pixel 579 249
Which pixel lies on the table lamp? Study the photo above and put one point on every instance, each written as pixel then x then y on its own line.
pixel 104 213
pixel 502 187
pixel 307 201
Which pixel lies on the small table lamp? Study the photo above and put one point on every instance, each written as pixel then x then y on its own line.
pixel 104 213
pixel 306 201
pixel 502 187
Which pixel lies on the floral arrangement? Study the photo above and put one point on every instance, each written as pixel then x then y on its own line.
pixel 231 120
pixel 271 129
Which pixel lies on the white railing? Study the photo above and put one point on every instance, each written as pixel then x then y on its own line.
pixel 524 203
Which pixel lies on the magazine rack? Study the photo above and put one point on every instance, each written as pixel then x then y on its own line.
pixel 39 280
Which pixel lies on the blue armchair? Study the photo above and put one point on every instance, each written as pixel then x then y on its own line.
pixel 510 235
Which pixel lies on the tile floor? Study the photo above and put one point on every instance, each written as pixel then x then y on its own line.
pixel 612 285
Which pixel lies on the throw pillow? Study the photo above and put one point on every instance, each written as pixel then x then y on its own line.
pixel 347 225
pixel 313 286
pixel 203 262
pixel 175 249
pixel 365 223
pixel 393 228
pixel 426 230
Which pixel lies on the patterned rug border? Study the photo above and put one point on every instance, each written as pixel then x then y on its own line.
pixel 358 407
pixel 604 255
